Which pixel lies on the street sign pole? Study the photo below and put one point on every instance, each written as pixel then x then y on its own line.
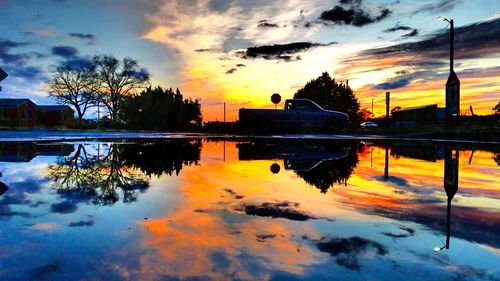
pixel 3 75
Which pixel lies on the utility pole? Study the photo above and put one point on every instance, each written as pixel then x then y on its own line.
pixel 224 112
pixel 387 102
pixel 373 114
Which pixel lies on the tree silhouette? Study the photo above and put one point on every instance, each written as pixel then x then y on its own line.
pixel 117 80
pixel 496 109
pixel 331 95
pixel 74 83
pixel 159 109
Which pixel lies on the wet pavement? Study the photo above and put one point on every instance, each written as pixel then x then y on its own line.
pixel 187 207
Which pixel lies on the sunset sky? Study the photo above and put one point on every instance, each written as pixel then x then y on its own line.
pixel 211 49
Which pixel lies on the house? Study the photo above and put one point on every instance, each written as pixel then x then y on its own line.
pixel 425 114
pixel 22 151
pixel 25 113
pixel 17 113
pixel 55 115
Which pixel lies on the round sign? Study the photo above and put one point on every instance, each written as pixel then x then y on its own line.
pixel 275 168
pixel 276 98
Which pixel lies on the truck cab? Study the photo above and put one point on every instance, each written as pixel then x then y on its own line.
pixel 304 112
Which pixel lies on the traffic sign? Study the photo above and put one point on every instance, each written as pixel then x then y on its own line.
pixel 3 74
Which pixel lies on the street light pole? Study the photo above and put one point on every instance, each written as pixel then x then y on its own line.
pixel 452 99
pixel 452 44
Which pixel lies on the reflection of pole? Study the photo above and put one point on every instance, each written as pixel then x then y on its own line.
pixel 448 224
pixel 224 151
pixel 371 157
pixel 386 169
pixel 450 186
pixel 470 158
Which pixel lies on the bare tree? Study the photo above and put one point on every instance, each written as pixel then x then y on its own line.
pixel 118 79
pixel 74 84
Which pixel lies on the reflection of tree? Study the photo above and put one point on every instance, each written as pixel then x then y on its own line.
pixel 97 176
pixel 163 158
pixel 329 172
pixel 497 158
pixel 119 168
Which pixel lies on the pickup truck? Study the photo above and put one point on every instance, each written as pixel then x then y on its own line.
pixel 297 113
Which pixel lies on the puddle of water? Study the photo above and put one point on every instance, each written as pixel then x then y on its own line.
pixel 242 210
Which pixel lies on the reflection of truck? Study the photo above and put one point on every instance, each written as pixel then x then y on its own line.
pixel 296 156
pixel 296 113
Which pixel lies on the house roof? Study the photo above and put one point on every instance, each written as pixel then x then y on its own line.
pixel 53 107
pixel 416 107
pixel 14 102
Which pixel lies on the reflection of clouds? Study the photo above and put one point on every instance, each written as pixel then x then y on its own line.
pixel 44 226
pixel 456 270
pixel 89 222
pixel 286 210
pixel 348 250
pixel 64 207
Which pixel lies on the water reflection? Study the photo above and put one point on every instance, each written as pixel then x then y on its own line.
pixel 244 210
pixel 101 173
pixel 451 188
pixel 320 163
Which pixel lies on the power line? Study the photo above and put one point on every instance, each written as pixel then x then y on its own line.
pixel 425 47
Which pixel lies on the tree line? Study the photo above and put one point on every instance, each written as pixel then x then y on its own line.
pixel 122 88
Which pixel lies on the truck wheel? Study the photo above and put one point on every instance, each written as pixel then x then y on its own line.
pixel 332 126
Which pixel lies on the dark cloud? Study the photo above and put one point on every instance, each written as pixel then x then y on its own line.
pixel 472 41
pixel 64 51
pixel 400 83
pixel 407 232
pixel 350 2
pixel 393 85
pixel 8 58
pixel 231 70
pixel 280 51
pixel 411 34
pixel 264 237
pixel 64 207
pixel 84 36
pixel 45 272
pixel 398 28
pixel 240 65
pixel 77 62
pixel 203 50
pixel 352 16
pixel 347 250
pixel 28 73
pixel 402 72
pixel 267 24
pixel 286 210
pixel 15 64
pixel 81 223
